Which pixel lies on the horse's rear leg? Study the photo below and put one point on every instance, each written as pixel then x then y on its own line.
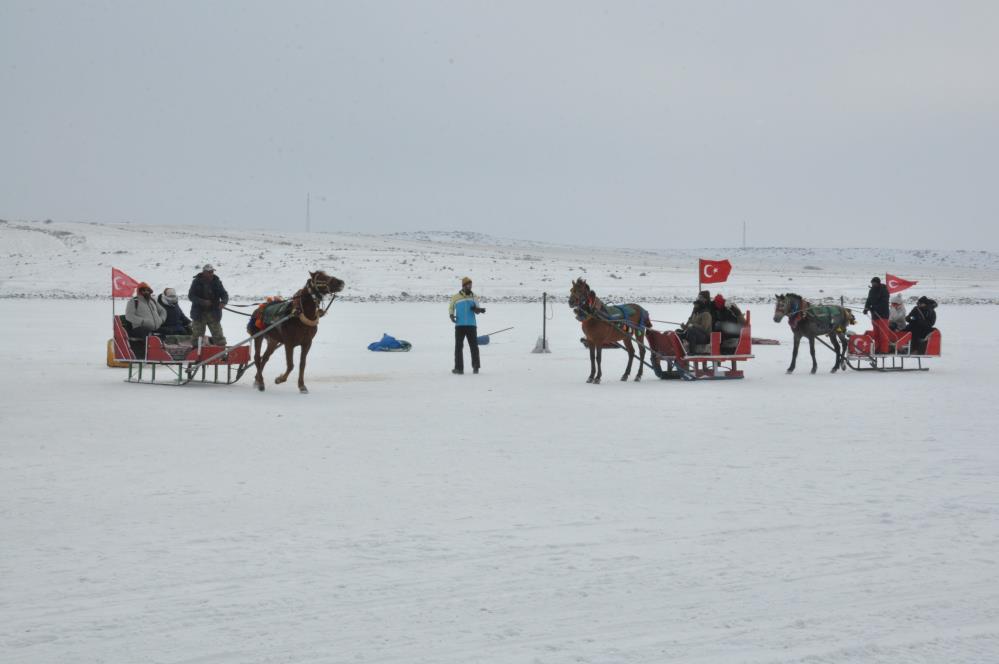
pixel 835 345
pixel 811 348
pixel 289 354
pixel 258 380
pixel 631 357
pixel 600 368
pixel 301 367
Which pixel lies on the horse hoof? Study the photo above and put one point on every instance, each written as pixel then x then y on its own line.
pixel 624 378
pixel 638 378
pixel 590 379
pixel 279 380
pixel 259 386
pixel 814 370
pixel 789 371
pixel 596 381
pixel 303 390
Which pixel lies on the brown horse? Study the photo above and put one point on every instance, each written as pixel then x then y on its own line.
pixel 297 331
pixel 602 327
pixel 808 320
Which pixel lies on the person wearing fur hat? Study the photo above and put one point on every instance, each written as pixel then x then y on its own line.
pixel 462 309
pixel 208 296
pixel 176 322
pixel 896 316
pixel 697 330
pixel 143 312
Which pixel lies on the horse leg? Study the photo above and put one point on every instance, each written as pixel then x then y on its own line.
pixel 258 380
pixel 289 355
pixel 835 345
pixel 593 363
pixel 794 353
pixel 600 368
pixel 641 360
pixel 262 361
pixel 631 356
pixel 811 348
pixel 301 367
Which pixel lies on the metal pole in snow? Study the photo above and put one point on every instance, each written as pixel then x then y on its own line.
pixel 544 320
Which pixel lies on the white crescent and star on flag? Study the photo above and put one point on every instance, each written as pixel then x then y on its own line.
pixel 710 271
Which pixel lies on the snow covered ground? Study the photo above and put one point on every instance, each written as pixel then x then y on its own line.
pixel 399 513
pixel 75 260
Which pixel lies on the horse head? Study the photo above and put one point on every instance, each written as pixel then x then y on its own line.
pixel 324 283
pixel 787 304
pixel 579 292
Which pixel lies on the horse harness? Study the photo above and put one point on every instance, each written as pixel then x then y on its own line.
pixel 312 289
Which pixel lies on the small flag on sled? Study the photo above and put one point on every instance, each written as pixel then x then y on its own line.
pixel 897 284
pixel 713 272
pixel 122 285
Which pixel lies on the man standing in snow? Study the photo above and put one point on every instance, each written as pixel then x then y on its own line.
pixel 462 310
pixel 207 296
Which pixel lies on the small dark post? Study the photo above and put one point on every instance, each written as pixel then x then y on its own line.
pixel 544 319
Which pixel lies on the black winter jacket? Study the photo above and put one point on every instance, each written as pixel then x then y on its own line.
pixel 877 301
pixel 207 296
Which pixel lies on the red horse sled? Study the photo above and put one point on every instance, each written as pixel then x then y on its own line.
pixel 884 349
pixel 177 364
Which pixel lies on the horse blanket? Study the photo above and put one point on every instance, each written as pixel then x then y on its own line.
pixel 620 312
pixel 828 318
pixel 267 314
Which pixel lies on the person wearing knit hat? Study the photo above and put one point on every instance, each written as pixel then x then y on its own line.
pixel 462 309
pixel 143 312
pixel 208 296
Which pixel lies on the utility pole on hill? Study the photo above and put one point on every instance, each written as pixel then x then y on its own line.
pixel 308 212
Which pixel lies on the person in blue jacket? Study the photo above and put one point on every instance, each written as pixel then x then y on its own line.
pixel 462 310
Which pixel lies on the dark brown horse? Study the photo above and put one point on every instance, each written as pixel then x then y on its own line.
pixel 807 320
pixel 600 328
pixel 298 330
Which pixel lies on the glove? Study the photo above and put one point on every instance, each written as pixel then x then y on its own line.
pixel 479 310
pixel 453 319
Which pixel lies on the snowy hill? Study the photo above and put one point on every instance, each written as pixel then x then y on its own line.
pixel 73 260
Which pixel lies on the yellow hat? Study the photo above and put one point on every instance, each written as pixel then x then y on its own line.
pixel 466 280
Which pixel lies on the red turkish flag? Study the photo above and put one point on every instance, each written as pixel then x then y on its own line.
pixel 714 272
pixel 122 285
pixel 895 284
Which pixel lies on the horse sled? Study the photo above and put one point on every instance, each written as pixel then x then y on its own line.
pixel 176 361
pixel 629 325
pixel 883 349
pixel 155 360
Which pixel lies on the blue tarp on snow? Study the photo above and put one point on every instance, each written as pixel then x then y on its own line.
pixel 390 344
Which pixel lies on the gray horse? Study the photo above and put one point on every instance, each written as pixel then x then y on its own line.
pixel 811 321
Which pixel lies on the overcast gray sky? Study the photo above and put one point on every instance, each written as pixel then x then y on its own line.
pixel 654 124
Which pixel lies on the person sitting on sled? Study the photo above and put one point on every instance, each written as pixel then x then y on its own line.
pixel 697 330
pixel 143 312
pixel 921 319
pixel 728 317
pixel 175 323
pixel 896 315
